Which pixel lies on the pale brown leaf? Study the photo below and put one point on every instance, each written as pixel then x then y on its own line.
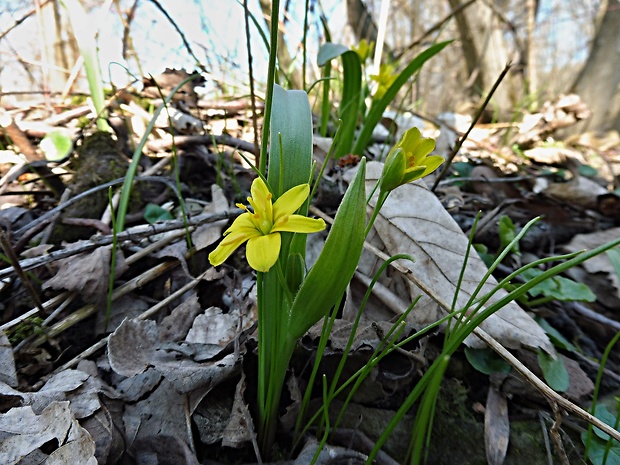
pixel 414 222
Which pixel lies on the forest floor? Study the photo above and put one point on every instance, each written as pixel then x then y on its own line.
pixel 162 369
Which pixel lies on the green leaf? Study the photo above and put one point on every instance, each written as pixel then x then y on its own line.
pixel 597 451
pixel 614 258
pixel 556 337
pixel 554 371
pixel 349 108
pixel 507 232
pixel 559 288
pixel 378 107
pixel 56 145
pixel 327 280
pixel 602 413
pixel 587 171
pixel 291 124
pixel 154 213
pixel 487 361
pixel 483 253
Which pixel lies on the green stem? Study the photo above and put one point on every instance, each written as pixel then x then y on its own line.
pixel 271 77
pixel 383 195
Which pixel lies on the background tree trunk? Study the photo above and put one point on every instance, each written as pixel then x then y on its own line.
pixel 486 54
pixel 598 84
pixel 363 24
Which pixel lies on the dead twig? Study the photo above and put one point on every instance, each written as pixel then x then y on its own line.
pixel 462 139
pixel 135 233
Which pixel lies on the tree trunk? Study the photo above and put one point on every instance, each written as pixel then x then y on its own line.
pixel 486 54
pixel 598 84
pixel 363 24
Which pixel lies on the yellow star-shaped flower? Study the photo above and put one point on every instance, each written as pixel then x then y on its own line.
pixel 409 160
pixel 364 49
pixel 262 227
pixel 386 77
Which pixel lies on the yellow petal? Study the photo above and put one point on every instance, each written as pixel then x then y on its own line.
pixel 425 147
pixel 227 247
pixel 298 223
pixel 261 198
pixel 432 163
pixel 262 252
pixel 410 139
pixel 289 202
pixel 242 222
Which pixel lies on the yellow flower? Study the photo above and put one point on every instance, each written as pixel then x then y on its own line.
pixel 364 49
pixel 409 160
pixel 262 227
pixel 386 77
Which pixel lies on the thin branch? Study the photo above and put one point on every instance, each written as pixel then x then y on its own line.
pixel 436 27
pixel 246 17
pixel 21 20
pixel 180 32
pixel 460 142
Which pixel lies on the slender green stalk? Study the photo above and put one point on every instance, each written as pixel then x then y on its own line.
pixel 597 386
pixel 84 35
pixel 271 75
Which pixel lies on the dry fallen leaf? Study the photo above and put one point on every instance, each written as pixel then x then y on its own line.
pixel 87 274
pixel 600 263
pixel 23 432
pixel 136 345
pixel 496 427
pixel 414 222
pixel 8 374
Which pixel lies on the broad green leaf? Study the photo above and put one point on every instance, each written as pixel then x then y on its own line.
pixel 555 336
pixel 56 145
pixel 291 124
pixel 378 107
pixel 602 413
pixel 507 232
pixel 290 153
pixel 327 280
pixel 486 361
pixel 554 371
pixel 348 111
pixel 596 454
pixel 614 258
pixel 154 213
pixel 559 288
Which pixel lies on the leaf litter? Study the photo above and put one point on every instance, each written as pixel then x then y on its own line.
pixel 173 367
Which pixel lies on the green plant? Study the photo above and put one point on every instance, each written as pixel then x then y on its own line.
pixel 351 102
pixel 84 35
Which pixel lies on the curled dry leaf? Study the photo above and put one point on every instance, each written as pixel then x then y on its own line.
pixel 8 374
pixel 87 274
pixel 23 432
pixel 210 233
pixel 600 263
pixel 136 345
pixel 496 427
pixel 414 222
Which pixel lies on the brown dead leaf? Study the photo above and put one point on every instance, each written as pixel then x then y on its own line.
pixel 136 345
pixel 414 222
pixel 578 191
pixel 8 374
pixel 600 263
pixel 209 233
pixel 496 427
pixel 239 429
pixel 162 413
pixel 87 274
pixel 23 432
